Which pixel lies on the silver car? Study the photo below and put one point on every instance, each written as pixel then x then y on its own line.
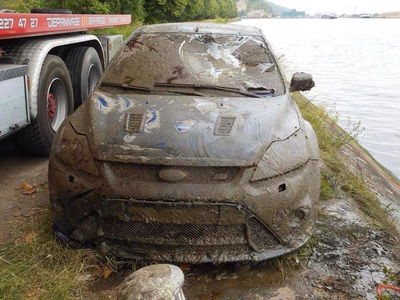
pixel 190 149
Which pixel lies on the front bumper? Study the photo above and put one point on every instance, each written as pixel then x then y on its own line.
pixel 179 232
pixel 192 222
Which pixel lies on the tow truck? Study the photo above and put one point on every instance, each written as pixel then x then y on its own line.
pixel 49 64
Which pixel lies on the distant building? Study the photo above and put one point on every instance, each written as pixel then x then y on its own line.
pixel 329 16
pixel 294 13
pixel 258 13
pixel 365 16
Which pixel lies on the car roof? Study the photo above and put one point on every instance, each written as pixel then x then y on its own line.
pixel 201 28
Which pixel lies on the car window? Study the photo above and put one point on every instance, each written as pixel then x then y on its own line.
pixel 206 59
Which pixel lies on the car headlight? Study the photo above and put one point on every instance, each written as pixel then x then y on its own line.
pixel 283 156
pixel 73 149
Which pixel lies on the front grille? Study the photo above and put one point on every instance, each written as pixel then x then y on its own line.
pixel 132 250
pixel 174 234
pixel 259 238
pixel 163 230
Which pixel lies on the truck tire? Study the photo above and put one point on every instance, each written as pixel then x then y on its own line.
pixel 85 68
pixel 51 11
pixel 54 104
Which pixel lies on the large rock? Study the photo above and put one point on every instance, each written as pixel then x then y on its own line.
pixel 155 282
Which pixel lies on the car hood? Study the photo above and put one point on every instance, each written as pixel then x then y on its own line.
pixel 187 130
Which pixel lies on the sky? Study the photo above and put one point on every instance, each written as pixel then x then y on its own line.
pixel 341 6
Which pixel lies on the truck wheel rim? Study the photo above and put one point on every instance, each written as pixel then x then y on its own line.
pixel 57 103
pixel 93 78
pixel 51 105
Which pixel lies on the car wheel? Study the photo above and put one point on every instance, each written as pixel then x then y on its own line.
pixel 54 104
pixel 86 69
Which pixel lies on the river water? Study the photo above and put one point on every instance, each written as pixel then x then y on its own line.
pixel 356 67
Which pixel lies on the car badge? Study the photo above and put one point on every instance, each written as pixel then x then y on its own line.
pixel 172 174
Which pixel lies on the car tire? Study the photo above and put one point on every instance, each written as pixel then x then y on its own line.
pixel 54 104
pixel 86 69
pixel 51 11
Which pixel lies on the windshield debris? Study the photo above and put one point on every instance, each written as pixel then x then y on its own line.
pixel 224 62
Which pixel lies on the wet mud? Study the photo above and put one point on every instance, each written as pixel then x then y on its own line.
pixel 348 258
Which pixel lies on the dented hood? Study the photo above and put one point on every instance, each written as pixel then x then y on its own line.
pixel 187 130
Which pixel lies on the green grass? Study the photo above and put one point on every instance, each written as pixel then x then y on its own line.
pixel 222 20
pixel 126 30
pixel 295 259
pixel 219 20
pixel 327 186
pixel 331 139
pixel 35 266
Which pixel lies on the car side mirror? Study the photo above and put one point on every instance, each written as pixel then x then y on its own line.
pixel 301 82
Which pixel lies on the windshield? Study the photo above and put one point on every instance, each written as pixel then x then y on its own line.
pixel 185 60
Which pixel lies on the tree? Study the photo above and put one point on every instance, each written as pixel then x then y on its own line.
pixel 231 9
pixel 155 11
pixel 20 5
pixel 211 9
pixel 194 10
pixel 150 11
pixel 159 11
pixel 133 7
pixel 79 6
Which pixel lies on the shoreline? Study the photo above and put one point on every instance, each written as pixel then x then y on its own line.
pixel 374 187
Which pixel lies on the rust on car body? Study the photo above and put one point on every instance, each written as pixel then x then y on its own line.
pixel 190 149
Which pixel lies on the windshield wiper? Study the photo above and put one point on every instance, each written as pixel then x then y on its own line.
pixel 261 90
pixel 258 92
pixel 209 87
pixel 146 89
pixel 187 93
pixel 126 86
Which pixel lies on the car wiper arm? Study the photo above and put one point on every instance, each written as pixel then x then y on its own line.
pixel 210 87
pixel 261 91
pixel 256 94
pixel 145 89
pixel 126 86
pixel 186 93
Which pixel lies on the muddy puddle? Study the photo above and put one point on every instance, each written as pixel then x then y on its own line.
pixel 243 281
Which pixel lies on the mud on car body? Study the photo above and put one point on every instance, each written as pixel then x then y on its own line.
pixel 189 150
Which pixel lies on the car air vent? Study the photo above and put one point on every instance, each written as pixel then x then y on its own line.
pixel 224 125
pixel 134 122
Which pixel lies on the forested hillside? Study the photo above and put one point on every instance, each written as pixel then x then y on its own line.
pixel 246 7
pixel 148 11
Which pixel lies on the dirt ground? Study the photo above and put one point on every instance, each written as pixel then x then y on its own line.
pixel 345 259
pixel 17 169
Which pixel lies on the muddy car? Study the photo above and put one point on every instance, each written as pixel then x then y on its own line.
pixel 190 149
